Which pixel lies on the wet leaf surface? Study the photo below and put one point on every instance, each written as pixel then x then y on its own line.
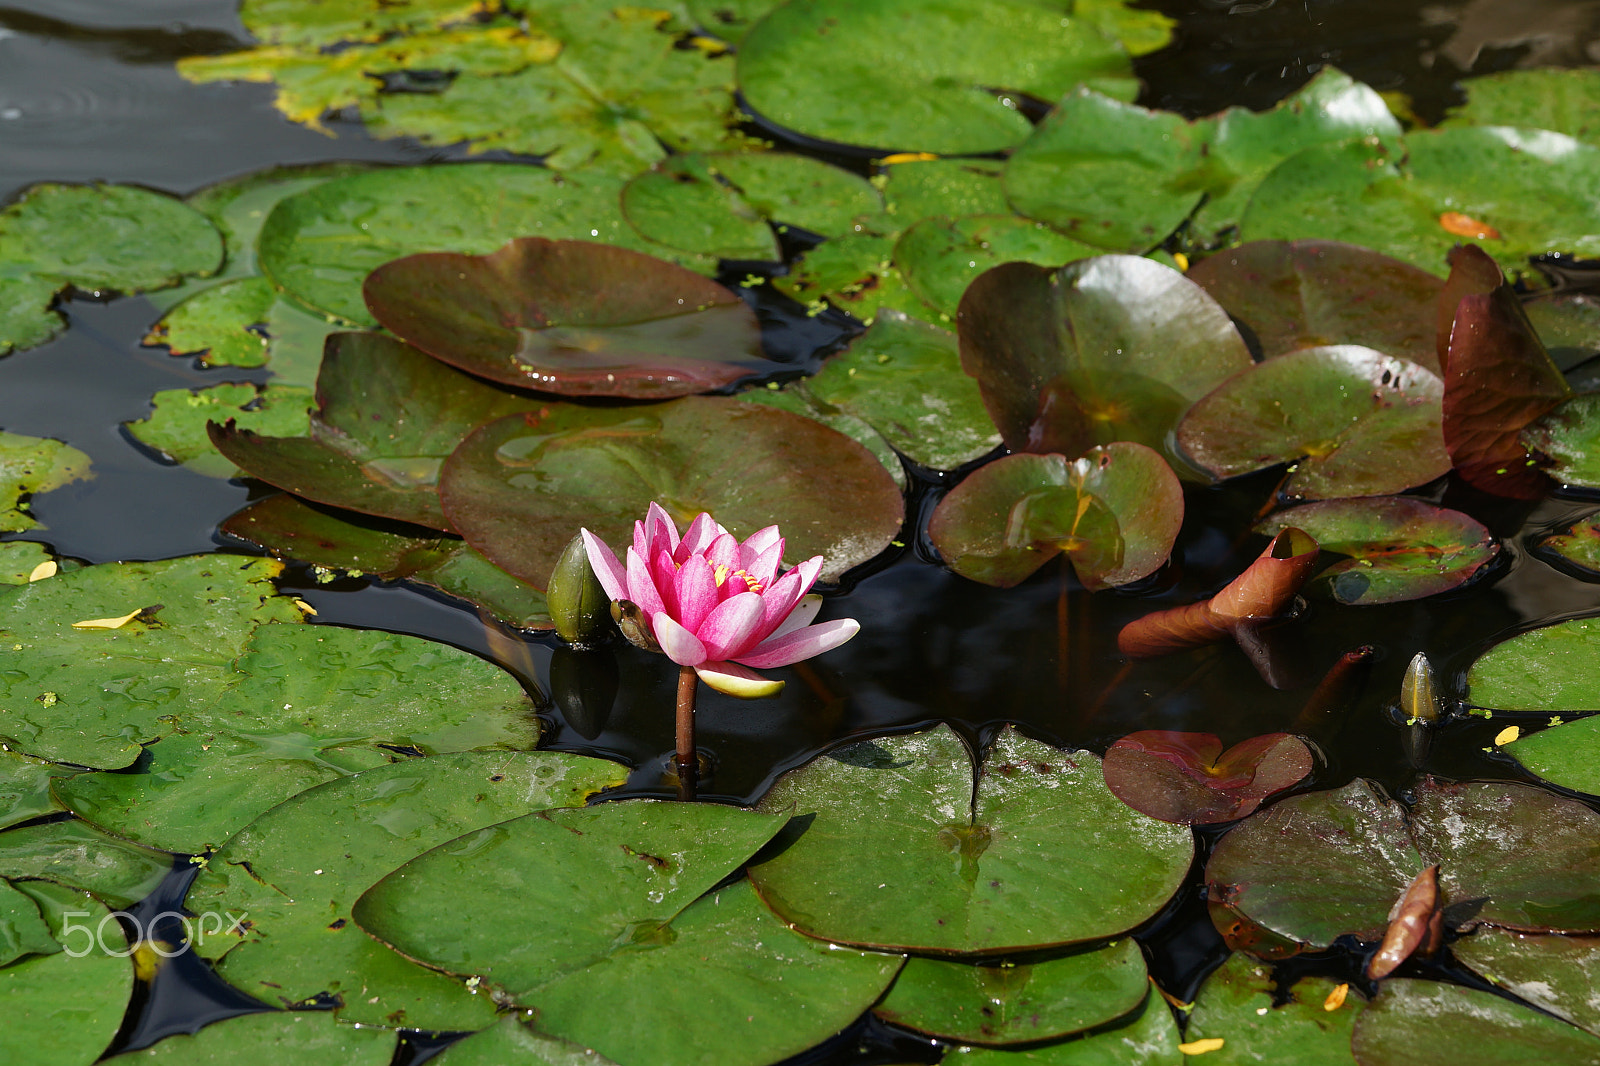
pixel 518 488
pixel 1106 349
pixel 61 1010
pixel 93 237
pixel 295 872
pixel 1014 1003
pixel 1121 177
pixel 941 256
pixel 290 528
pixel 25 788
pixel 1417 1022
pixel 223 326
pixel 904 378
pixel 900 854
pixel 1552 668
pixel 855 274
pixel 368 386
pixel 1399 548
pixel 311 1038
pixel 1114 512
pixel 1556 973
pixel 1351 421
pixel 1569 438
pixel 571 317
pixel 21 559
pixel 796 400
pixel 1569 325
pixel 1187 778
pixel 30 465
pixel 176 425
pixel 1535 188
pixel 118 873
pixel 319 245
pixel 1149 1039
pixel 1310 294
pixel 1560 100
pixel 1578 546
pixel 809 66
pixel 1567 755
pixel 22 929
pixel 513 1039
pixel 918 188
pixel 1238 1005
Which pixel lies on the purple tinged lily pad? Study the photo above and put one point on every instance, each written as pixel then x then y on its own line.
pixel 1351 420
pixel 1310 294
pixel 1112 348
pixel 1426 1023
pixel 1115 513
pixel 1187 778
pixel 572 317
pixel 519 488
pixel 1399 548
pixel 387 416
pixel 1556 973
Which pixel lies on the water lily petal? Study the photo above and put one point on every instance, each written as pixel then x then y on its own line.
pixel 696 593
pixel 731 627
pixel 800 617
pixel 801 644
pixel 659 528
pixel 724 551
pixel 756 543
pixel 681 646
pixel 641 588
pixel 697 538
pixel 780 598
pixel 763 569
pixel 731 679
pixel 603 561
pixel 663 573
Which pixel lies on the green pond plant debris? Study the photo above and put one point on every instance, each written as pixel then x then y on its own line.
pixel 1067 326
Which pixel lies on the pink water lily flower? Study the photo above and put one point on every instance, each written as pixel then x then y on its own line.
pixel 719 605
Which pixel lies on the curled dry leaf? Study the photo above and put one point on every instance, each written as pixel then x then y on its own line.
pixel 1261 593
pixel 1415 924
pixel 1187 778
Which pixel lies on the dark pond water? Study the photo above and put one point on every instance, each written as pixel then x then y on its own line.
pixel 87 91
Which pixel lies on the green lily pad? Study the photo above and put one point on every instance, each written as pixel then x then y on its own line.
pixel 295 873
pixel 1400 549
pixel 288 22
pixel 1350 420
pixel 1237 1005
pixel 275 1038
pixel 1106 349
pixel 1555 973
pixel 904 378
pixel 1013 1003
pixel 63 1009
pixel 1560 100
pixel 796 400
pixel 519 487
pixel 729 19
pixel 1115 512
pixel 30 465
pixel 1568 324
pixel 1118 176
pixel 1308 294
pixel 1569 437
pixel 387 417
pixel 22 930
pixel 721 204
pixel 176 425
pixel 1567 755
pixel 19 559
pixel 513 1039
pixel 809 66
pixel 856 275
pixel 81 857
pixel 900 851
pixel 1578 546
pixel 1534 188
pixel 93 237
pixel 1316 866
pixel 1414 1022
pixel 571 317
pixel 1553 668
pixel 941 256
pixel 224 325
pixel 25 788
pixel 290 528
pixel 319 245
pixel 916 188
pixel 90 695
pixel 1149 1039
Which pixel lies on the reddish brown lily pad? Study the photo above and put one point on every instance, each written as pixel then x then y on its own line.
pixel 572 317
pixel 1187 778
pixel 1310 294
pixel 519 488
pixel 1105 349
pixel 1115 513
pixel 386 417
pixel 1352 422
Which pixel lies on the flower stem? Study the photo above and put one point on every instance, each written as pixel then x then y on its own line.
pixel 688 760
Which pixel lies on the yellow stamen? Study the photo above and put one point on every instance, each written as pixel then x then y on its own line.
pixel 722 574
pixel 755 586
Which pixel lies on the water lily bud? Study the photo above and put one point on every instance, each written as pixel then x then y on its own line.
pixel 578 603
pixel 1418 701
pixel 631 620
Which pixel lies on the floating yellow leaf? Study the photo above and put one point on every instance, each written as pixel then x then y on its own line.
pixel 1335 998
pixel 711 46
pixel 1507 735
pixel 107 623
pixel 1466 226
pixel 906 157
pixel 1201 1047
pixel 45 569
pixel 305 608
